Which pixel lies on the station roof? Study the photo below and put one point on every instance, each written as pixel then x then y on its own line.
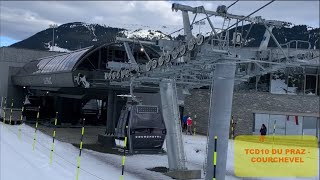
pixel 57 63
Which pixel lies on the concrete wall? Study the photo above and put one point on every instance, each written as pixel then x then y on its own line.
pixel 10 60
pixel 244 103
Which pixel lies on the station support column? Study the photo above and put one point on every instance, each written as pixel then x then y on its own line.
pixel 219 120
pixel 110 110
pixel 170 111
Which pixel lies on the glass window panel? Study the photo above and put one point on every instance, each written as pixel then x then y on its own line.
pixel 296 83
pixel 309 126
pixel 293 127
pixel 263 83
pixel 259 120
pixel 278 83
pixel 309 122
pixel 280 124
pixel 311 81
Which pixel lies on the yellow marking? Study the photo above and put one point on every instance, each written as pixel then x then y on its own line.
pixel 125 141
pixel 55 122
pixel 38 114
pixel 216 137
pixel 77 176
pixel 54 133
pixel 36 124
pixel 123 160
pixel 50 158
pixel 79 161
pixel 81 145
pixel 215 158
pixel 51 153
pixel 82 131
pixel 121 177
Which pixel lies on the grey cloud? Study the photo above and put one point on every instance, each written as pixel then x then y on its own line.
pixel 20 20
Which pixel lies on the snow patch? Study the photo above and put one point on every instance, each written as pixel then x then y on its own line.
pixel 91 28
pixel 58 49
pixel 55 48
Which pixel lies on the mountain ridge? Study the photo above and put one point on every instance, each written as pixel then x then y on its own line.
pixel 75 35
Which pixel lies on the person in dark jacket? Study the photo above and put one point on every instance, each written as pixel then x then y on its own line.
pixel 184 121
pixel 263 132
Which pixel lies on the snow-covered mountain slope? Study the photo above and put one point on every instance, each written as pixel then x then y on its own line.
pixel 77 35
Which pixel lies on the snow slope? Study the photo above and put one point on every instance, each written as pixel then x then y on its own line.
pixel 18 156
pixel 18 161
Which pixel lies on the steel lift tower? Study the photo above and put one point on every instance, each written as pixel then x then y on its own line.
pixel 197 61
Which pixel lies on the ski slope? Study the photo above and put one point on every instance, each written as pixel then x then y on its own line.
pixel 18 160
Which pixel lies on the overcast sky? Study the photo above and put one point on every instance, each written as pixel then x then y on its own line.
pixel 20 20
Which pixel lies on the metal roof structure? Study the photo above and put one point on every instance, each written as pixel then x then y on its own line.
pixel 59 63
pixel 77 68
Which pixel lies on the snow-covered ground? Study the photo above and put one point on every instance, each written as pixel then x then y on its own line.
pixel 19 161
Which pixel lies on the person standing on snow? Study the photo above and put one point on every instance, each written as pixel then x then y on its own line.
pixel 263 132
pixel 184 121
pixel 189 126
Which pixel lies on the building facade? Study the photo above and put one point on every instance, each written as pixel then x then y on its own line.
pixel 290 101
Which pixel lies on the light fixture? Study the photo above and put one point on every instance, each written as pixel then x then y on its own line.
pixel 24 87
pixel 47 92
pixel 141 49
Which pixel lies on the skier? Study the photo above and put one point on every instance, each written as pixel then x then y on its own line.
pixel 263 132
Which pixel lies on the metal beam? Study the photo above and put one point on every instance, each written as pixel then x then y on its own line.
pixel 276 41
pixel 132 60
pixel 186 25
pixel 170 111
pixel 176 7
